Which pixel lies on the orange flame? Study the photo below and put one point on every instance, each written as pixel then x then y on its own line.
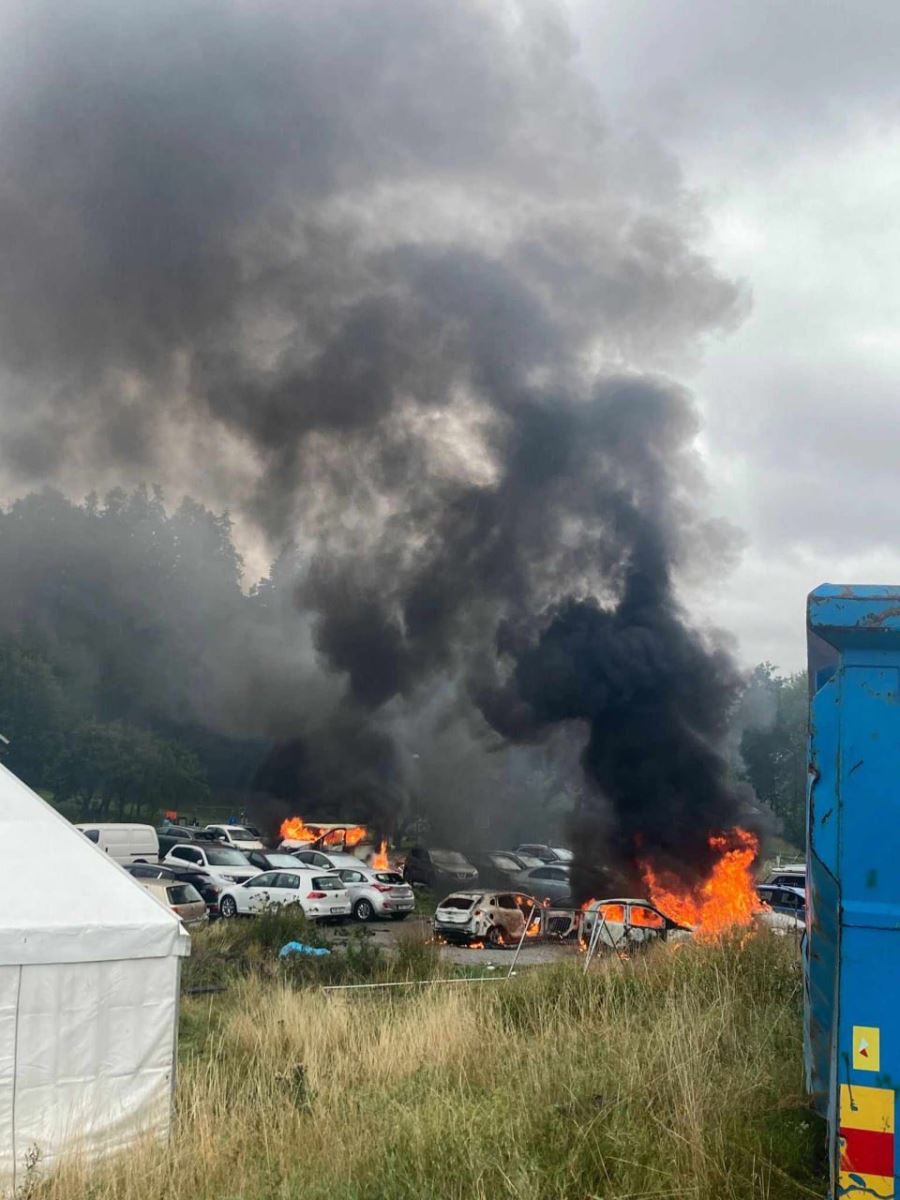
pixel 380 860
pixel 727 898
pixel 293 830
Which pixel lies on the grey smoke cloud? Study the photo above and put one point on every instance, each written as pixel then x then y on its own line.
pixel 393 259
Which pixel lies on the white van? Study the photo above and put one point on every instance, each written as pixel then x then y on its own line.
pixel 124 843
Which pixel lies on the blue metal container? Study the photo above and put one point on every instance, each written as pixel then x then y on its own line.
pixel 852 946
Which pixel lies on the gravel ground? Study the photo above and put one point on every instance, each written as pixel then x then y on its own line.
pixel 386 933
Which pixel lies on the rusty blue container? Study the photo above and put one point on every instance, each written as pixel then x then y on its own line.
pixel 852 944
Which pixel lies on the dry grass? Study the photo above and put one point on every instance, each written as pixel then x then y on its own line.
pixel 676 1074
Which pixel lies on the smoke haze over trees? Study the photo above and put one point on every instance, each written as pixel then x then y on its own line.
pixel 381 281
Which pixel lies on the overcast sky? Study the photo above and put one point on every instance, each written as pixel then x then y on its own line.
pixel 780 117
pixel 784 117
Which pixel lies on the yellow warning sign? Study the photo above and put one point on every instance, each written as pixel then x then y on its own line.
pixel 866 1048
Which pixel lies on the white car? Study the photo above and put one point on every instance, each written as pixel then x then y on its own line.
pixel 626 922
pixel 238 836
pixel 377 893
pixel 497 918
pixel 320 896
pixel 338 861
pixel 222 862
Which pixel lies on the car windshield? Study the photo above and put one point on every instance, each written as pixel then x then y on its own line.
pixel 388 877
pixel 562 854
pixel 461 902
pixel 221 857
pixel 242 833
pixel 448 858
pixel 281 860
pixel 504 863
pixel 328 883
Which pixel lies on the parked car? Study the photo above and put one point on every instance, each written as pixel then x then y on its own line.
pixel 323 861
pixel 788 900
pixel 548 882
pixel 496 867
pixel 173 835
pixel 240 836
pixel 790 875
pixel 628 922
pixel 437 868
pixel 182 898
pixel 124 843
pixel 377 893
pixel 220 861
pixel 321 896
pixel 497 918
pixel 270 860
pixel 145 870
pixel 546 854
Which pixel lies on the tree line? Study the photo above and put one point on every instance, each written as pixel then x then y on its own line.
pixel 137 675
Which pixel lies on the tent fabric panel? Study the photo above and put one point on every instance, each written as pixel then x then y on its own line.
pixel 86 907
pixel 95 1058
pixel 9 993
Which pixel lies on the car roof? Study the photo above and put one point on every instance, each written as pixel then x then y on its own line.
pixel 626 900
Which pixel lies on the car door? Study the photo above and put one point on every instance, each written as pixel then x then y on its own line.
pixel 258 893
pixel 189 855
pixel 645 924
pixel 510 916
pixel 312 858
pixel 354 881
pixel 612 918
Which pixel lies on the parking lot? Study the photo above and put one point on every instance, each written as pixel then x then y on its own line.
pixel 387 933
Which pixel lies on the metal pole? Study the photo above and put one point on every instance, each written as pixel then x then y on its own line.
pixel 355 987
pixel 599 923
pixel 521 941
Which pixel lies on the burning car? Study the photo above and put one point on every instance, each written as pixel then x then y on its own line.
pixel 497 918
pixel 626 922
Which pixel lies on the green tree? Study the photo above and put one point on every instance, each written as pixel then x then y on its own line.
pixel 34 714
pixel 773 745
pixel 116 771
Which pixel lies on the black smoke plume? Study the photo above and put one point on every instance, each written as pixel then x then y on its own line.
pixel 379 278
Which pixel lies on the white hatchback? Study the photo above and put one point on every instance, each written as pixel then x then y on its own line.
pixel 320 896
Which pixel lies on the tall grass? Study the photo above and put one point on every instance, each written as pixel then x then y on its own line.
pixel 676 1074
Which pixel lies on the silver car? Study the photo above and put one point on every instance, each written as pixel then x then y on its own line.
pixel 377 893
pixel 549 882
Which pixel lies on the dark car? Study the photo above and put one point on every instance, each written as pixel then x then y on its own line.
pixel 438 868
pixel 208 887
pixel 546 854
pixel 177 835
pixel 148 870
pixel 271 860
pixel 496 867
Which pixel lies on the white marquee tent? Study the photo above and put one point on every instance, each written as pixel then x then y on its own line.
pixel 89 967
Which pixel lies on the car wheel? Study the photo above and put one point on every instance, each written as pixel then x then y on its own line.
pixel 496 936
pixel 363 910
pixel 228 906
